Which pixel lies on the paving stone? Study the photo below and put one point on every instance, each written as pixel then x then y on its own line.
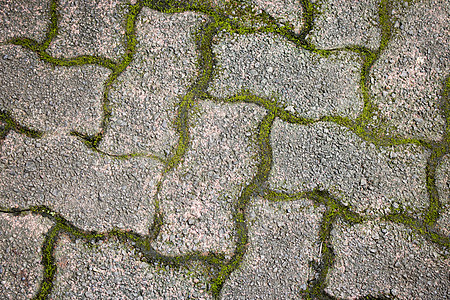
pixel 94 192
pixel 306 83
pixel 443 179
pixel 89 27
pixel 443 223
pixel 407 78
pixel 382 258
pixel 343 23
pixel 145 96
pixel 327 156
pixel 283 240
pixel 286 11
pixel 28 18
pixel 113 271
pixel 21 238
pixel 49 98
pixel 197 198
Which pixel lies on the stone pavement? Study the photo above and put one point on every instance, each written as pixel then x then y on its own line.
pixel 215 149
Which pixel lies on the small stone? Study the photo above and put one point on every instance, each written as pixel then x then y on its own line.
pixel 363 181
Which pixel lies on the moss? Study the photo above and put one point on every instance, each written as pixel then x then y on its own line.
pixel 12 124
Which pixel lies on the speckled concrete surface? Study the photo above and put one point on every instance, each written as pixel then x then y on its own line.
pixel 51 99
pixel 218 149
pixel 20 253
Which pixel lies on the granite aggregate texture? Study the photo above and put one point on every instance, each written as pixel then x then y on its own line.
pixel 218 149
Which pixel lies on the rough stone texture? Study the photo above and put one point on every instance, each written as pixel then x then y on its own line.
pixel 330 157
pixel 89 27
pixel 443 179
pixel 443 223
pixel 344 23
pixel 197 198
pixel 443 185
pixel 114 271
pixel 382 258
pixel 49 98
pixel 283 240
pixel 306 83
pixel 145 96
pixel 24 18
pixel 287 11
pixel 93 192
pixel 407 78
pixel 21 238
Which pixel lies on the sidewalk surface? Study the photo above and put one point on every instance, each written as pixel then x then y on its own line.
pixel 214 149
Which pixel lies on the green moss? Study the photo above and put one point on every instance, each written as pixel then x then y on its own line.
pixel 11 124
pixel 48 262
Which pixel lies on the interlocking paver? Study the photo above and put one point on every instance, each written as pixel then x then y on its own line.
pixel 24 18
pixel 341 23
pixel 284 239
pixel 48 98
pixel 93 191
pixel 90 28
pixel 20 254
pixel 408 77
pixel 330 157
pixel 110 270
pixel 304 82
pixel 382 258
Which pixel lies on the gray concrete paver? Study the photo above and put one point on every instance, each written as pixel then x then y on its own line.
pixel 110 270
pixel 24 18
pixel 330 157
pixel 407 79
pixel 20 254
pixel 342 23
pixel 145 96
pixel 387 259
pixel 304 82
pixel 92 191
pixel 90 28
pixel 284 239
pixel 47 98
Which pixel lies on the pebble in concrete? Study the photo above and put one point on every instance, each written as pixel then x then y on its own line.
pixel 49 98
pixel 21 238
pixel 304 82
pixel 343 23
pixel 24 19
pixel 145 96
pixel 283 240
pixel 378 258
pixel 407 78
pixel 327 156
pixel 198 198
pixel 110 270
pixel 90 28
pixel 94 192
